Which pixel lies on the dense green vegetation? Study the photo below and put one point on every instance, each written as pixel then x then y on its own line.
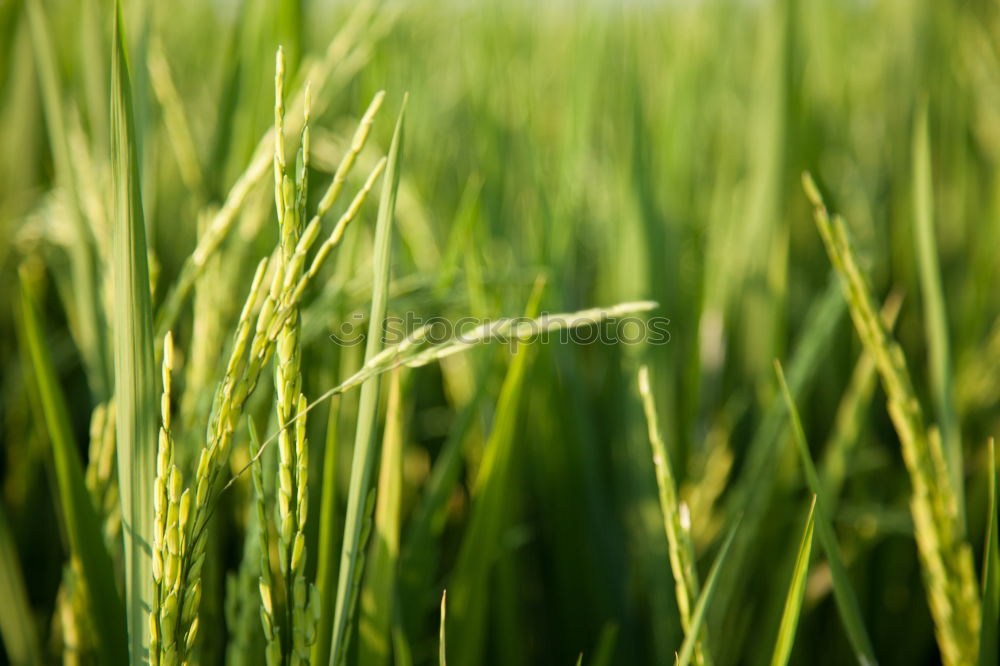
pixel 195 467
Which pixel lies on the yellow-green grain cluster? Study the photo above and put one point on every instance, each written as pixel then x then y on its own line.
pixel 945 555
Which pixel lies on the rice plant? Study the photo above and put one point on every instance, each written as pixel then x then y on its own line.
pixel 499 332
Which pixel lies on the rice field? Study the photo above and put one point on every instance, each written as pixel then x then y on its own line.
pixel 481 332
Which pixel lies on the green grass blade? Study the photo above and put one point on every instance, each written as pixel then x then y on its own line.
pixel 326 567
pixel 20 636
pixel 935 315
pixel 698 616
pixel 847 603
pixel 442 631
pixel 377 595
pixel 989 632
pixel 470 579
pixel 135 374
pixel 364 442
pixel 83 528
pixel 796 590
pixel 604 651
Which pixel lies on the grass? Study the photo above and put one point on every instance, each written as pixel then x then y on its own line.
pixel 209 454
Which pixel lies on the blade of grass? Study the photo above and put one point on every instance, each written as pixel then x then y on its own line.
pixel 380 580
pixel 480 547
pixel 935 314
pixel 365 452
pixel 604 651
pixel 83 529
pixel 20 636
pixel 326 565
pixel 989 631
pixel 135 373
pixel 796 590
pixel 698 616
pixel 442 631
pixel 847 603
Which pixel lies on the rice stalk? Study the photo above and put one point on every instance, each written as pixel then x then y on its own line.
pixel 301 600
pixel 676 521
pixel 945 556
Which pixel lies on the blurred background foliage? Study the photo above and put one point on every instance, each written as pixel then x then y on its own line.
pixel 636 150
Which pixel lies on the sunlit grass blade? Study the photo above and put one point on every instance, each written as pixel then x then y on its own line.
pixel 365 453
pixel 135 374
pixel 470 578
pixel 847 603
pixel 442 631
pixel 17 628
pixel 989 632
pixel 698 616
pixel 796 591
pixel 935 314
pixel 377 597
pixel 83 528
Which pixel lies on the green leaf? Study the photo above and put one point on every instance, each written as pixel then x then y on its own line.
pixel 377 595
pixel 442 632
pixel 847 603
pixel 935 315
pixel 83 528
pixel 989 631
pixel 135 374
pixel 20 636
pixel 365 453
pixel 796 590
pixel 491 499
pixel 698 616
